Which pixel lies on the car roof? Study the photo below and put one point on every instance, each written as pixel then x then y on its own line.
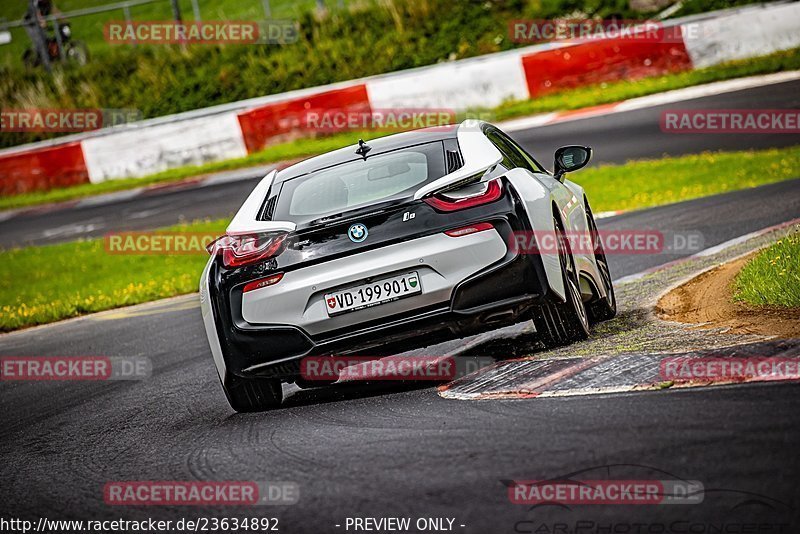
pixel 377 146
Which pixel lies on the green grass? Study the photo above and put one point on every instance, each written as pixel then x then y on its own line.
pixel 44 284
pixel 644 184
pixel 772 277
pixel 572 99
pixel 352 39
pixel 614 92
pixel 89 28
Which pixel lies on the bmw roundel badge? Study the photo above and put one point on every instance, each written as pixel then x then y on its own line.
pixel 357 233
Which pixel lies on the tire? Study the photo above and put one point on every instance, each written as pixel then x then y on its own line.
pixel 559 324
pixel 605 308
pixel 252 394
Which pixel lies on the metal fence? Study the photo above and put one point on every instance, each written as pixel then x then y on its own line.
pixel 127 9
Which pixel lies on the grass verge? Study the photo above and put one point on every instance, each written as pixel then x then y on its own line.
pixel 566 100
pixel 772 277
pixel 643 184
pixel 45 284
pixel 608 93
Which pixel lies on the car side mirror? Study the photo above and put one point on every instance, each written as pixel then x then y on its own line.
pixel 571 158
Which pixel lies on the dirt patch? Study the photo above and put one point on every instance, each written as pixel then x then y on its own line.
pixel 707 301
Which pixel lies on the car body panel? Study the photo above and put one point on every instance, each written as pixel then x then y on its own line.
pixel 470 283
pixel 578 223
pixel 246 219
pixel 483 156
pixel 536 192
pixel 441 261
pixel 209 321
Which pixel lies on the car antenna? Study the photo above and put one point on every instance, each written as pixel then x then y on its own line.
pixel 363 148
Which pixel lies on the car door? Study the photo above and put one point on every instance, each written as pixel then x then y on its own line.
pixel 564 197
pixel 567 196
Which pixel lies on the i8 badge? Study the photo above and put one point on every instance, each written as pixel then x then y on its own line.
pixel 357 233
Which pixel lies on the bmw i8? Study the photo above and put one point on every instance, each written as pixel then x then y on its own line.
pixel 399 243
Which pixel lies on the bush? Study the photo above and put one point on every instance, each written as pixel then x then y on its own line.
pixel 368 38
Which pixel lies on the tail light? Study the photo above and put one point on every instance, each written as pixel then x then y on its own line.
pixel 467 197
pixel 471 229
pixel 262 282
pixel 240 250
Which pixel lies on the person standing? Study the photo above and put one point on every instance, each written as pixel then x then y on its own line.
pixel 35 26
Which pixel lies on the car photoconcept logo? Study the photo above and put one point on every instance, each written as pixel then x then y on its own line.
pixel 357 233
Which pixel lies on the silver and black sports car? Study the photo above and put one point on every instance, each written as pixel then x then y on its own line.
pixel 399 243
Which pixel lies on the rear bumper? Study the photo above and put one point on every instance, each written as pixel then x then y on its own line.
pixel 441 262
pixel 498 292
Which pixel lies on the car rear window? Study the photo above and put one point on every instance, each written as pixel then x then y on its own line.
pixel 380 178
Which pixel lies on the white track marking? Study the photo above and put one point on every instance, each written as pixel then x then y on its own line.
pixel 644 102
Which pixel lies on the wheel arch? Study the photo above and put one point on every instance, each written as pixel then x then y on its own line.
pixel 538 202
pixel 590 272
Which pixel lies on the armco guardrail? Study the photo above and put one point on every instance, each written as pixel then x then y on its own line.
pixel 237 129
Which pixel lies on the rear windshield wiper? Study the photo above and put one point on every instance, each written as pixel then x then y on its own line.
pixel 365 211
pixel 328 218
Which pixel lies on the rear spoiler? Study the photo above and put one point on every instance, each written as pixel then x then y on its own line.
pixel 480 158
pixel 246 219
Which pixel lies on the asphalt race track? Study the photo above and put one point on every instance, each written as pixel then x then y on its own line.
pixel 615 138
pixel 637 135
pixel 402 450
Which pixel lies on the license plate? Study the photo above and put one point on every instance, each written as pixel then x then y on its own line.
pixel 373 294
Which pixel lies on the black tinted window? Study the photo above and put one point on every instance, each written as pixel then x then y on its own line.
pixel 383 177
pixel 531 161
pixel 513 154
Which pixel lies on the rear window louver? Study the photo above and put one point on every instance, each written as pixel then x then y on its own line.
pixel 454 160
pixel 269 208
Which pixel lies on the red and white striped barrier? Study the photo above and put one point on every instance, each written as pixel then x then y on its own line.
pixel 42 168
pixel 241 128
